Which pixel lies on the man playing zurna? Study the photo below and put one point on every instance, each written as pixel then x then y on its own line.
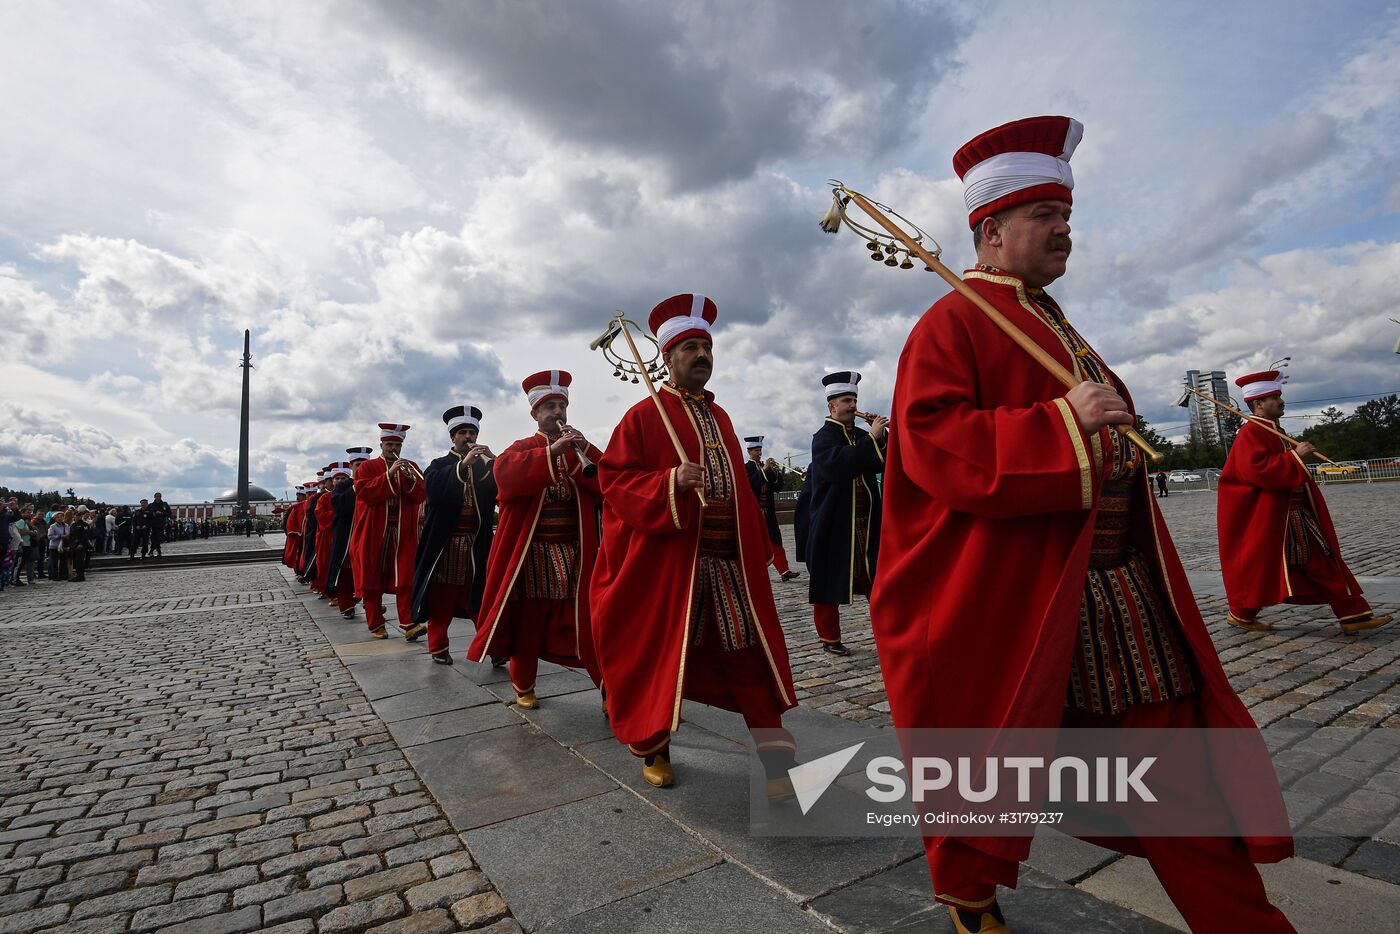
pixel 682 605
pixel 340 578
pixel 535 603
pixel 1277 542
pixel 388 498
pixel 449 569
pixel 764 480
pixel 838 513
pixel 1030 580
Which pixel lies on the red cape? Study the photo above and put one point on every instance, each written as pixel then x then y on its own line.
pixel 1252 515
pixel 325 531
pixel 292 524
pixel 372 491
pixel 990 492
pixel 643 581
pixel 523 472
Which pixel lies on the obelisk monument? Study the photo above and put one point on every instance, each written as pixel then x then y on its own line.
pixel 247 365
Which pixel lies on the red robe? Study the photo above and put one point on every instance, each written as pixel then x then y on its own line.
pixel 644 578
pixel 990 495
pixel 1252 516
pixel 325 532
pixel 524 471
pixel 293 522
pixel 372 491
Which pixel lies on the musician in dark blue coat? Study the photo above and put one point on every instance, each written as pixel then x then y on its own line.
pixel 340 579
pixel 449 571
pixel 765 479
pixel 838 522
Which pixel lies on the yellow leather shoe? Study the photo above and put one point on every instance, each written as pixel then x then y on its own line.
pixel 1361 625
pixel 780 789
pixel 379 633
pixel 659 773
pixel 985 922
pixel 1253 625
pixel 527 701
pixel 413 632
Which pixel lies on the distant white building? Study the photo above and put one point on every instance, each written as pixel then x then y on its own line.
pixel 1209 423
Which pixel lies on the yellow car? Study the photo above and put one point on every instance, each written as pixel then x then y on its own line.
pixel 1338 470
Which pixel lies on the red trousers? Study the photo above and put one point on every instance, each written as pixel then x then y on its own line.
pixel 1318 581
pixel 374 609
pixel 444 600
pixel 345 591
pixel 1210 880
pixel 740 679
pixel 827 617
pixel 539 629
pixel 780 561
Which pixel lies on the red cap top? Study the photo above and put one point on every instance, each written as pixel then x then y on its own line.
pixel 1017 163
pixel 680 317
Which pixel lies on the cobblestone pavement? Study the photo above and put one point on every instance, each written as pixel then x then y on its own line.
pixel 165 770
pixel 1329 703
pixel 184 752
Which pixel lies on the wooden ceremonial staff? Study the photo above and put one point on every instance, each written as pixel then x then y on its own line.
pixel 1259 420
pixel 1011 330
pixel 656 397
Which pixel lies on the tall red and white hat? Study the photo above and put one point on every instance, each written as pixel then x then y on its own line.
pixel 1260 385
pixel 339 469
pixel 680 317
pixel 1017 163
pixel 393 430
pixel 547 384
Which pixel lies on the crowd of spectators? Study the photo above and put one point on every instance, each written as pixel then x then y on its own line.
pixel 56 544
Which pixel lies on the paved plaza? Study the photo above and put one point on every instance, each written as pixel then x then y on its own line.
pixel 209 749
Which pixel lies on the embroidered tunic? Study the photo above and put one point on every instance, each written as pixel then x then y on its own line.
pixel 456 565
pixel 551 567
pixel 718 607
pixel 1128 650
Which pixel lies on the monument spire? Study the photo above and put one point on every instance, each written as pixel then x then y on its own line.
pixel 246 365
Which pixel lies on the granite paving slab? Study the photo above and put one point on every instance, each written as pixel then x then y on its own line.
pixel 441 691
pixel 555 864
pixel 721 900
pixel 482 778
pixel 551 684
pixel 710 798
pixel 571 719
pixel 901 900
pixel 451 724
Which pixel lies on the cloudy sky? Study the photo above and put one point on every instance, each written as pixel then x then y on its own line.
pixel 415 204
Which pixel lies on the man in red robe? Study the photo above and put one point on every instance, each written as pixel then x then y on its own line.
pixel 1026 578
pixel 388 498
pixel 1277 542
pixel 682 605
pixel 325 530
pixel 292 521
pixel 536 600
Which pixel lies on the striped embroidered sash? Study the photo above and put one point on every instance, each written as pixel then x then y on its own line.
pixel 389 548
pixel 1128 651
pixel 719 608
pixel 456 564
pixel 1303 531
pixel 551 564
